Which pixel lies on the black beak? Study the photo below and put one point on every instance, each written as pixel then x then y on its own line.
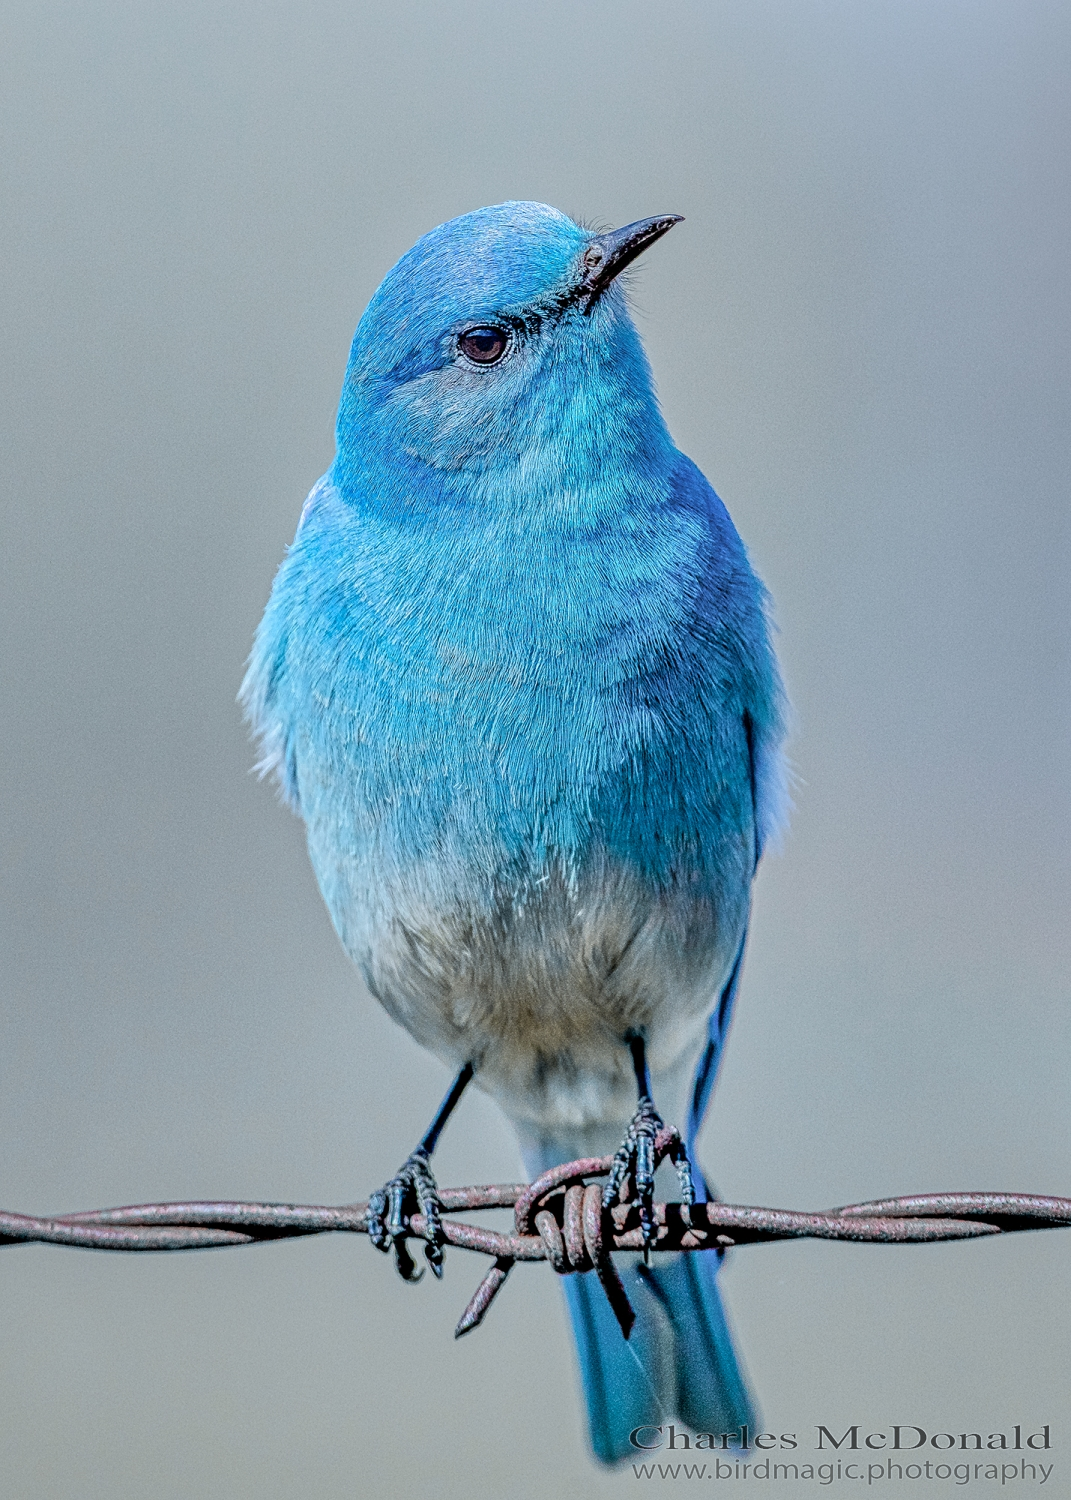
pixel 608 254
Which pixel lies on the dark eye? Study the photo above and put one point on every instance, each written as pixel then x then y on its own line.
pixel 483 345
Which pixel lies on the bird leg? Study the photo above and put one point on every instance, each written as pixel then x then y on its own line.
pixel 411 1190
pixel 635 1157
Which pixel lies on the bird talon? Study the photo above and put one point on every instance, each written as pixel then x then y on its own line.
pixel 632 1174
pixel 635 1158
pixel 410 1191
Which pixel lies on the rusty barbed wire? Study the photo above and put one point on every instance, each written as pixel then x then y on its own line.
pixel 559 1218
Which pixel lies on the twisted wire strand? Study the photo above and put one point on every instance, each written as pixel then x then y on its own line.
pixel 559 1218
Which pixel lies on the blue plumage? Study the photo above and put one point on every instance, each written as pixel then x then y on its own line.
pixel 516 675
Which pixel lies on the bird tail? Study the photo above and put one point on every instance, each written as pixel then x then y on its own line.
pixel 679 1362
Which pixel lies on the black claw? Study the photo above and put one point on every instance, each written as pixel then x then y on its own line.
pixel 636 1157
pixel 679 1156
pixel 411 1190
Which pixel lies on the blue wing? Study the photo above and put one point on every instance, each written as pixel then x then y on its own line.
pixel 709 1065
pixel 706 1073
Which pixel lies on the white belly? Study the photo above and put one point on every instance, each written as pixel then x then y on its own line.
pixel 539 985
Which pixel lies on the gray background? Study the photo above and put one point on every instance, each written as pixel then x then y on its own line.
pixel 861 335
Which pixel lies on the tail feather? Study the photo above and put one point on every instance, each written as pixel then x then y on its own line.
pixel 678 1363
pixel 712 1393
pixel 626 1384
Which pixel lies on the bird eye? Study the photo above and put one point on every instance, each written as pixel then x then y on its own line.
pixel 484 346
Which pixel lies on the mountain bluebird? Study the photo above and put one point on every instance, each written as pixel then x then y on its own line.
pixel 516 675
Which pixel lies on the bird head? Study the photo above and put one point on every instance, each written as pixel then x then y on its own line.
pixel 500 345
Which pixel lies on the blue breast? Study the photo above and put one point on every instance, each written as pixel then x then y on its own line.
pixel 485 692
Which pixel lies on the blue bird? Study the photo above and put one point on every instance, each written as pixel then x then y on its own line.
pixel 516 675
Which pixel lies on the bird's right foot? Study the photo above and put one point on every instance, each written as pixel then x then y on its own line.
pixel 411 1190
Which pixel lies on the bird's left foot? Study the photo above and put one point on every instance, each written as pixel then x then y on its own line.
pixel 635 1159
pixel 411 1190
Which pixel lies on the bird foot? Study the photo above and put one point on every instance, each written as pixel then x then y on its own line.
pixel 411 1190
pixel 636 1159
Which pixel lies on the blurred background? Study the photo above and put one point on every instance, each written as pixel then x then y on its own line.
pixel 861 335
